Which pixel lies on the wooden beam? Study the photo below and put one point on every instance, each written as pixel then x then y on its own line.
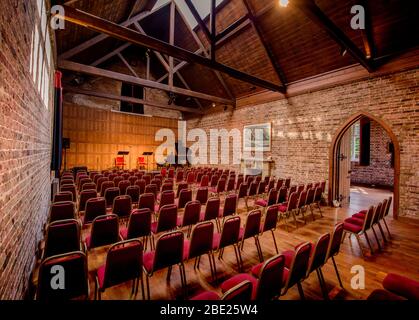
pixel 171 39
pixel 314 13
pixel 77 67
pixel 199 20
pixel 213 30
pixel 110 54
pixel 367 34
pixel 91 42
pixel 231 27
pixel 128 65
pixel 265 43
pixel 130 99
pixel 122 33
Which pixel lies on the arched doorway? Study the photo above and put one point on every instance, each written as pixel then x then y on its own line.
pixel 334 156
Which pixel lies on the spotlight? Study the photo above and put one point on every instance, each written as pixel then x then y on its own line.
pixel 283 3
pixel 343 52
pixel 213 104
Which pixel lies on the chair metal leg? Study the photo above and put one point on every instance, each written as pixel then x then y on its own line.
pixel 259 249
pixel 382 232
pixel 295 219
pixel 312 212
pixel 148 286
pixel 385 223
pixel 322 285
pixel 169 273
pixel 214 266
pixel 337 271
pixel 376 238
pixel 343 237
pixel 276 247
pixel 369 242
pixel 360 245
pixel 142 287
pixel 320 209
pixel 301 291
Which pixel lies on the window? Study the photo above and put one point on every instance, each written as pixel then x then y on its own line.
pixel 355 142
pixel 133 91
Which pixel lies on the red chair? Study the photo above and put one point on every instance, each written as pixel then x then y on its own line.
pixel 252 229
pixel 212 210
pixel 106 185
pixel 318 259
pixel 334 248
pixel 97 177
pixel 84 196
pixel 122 206
pixel 271 219
pixel 287 182
pixel 71 188
pixel 219 189
pixel 169 252
pixel 310 200
pixel 402 286
pixel 134 193
pixel 271 185
pixel 141 183
pixel 181 186
pixel 63 196
pixel 359 227
pixel 301 203
pixel 147 178
pixel 202 195
pixel 120 162
pixel 105 231
pixel 280 184
pixel 123 185
pixel 139 226
pixel 241 292
pixel 229 236
pixel 95 207
pixel 242 194
pixel 171 173
pixel 124 262
pixel 190 178
pixel 141 163
pixel 166 197
pixel 282 195
pixel 289 209
pixel 110 195
pixel 272 198
pixel 83 182
pixel 179 176
pixel 200 244
pixel 252 192
pixel 100 182
pixel 132 180
pixel 61 237
pixel 190 216
pixel 386 211
pixel 167 186
pixel 318 199
pixel 268 283
pixel 74 265
pixel 214 181
pixel 296 265
pixel 167 220
pixel 185 196
pixel 231 182
pixel 240 180
pixel 89 186
pixel 62 211
pixel 146 201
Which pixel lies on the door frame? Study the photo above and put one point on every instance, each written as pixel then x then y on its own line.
pixel 333 165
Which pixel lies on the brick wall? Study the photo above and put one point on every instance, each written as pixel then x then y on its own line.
pixel 379 172
pixel 25 143
pixel 303 127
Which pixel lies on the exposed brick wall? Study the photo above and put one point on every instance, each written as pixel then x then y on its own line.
pixel 379 172
pixel 303 127
pixel 25 143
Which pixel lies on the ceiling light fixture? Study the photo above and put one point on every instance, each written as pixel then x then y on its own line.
pixel 213 104
pixel 343 52
pixel 283 3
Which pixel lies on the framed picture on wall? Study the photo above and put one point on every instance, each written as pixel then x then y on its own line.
pixel 257 137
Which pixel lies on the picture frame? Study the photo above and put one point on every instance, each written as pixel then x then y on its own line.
pixel 251 141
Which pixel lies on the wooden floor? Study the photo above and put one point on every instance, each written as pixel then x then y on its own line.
pixel 401 256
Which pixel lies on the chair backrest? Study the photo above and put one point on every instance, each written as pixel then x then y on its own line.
pixel 169 250
pixel 89 186
pixel 181 186
pixel 299 265
pixel 171 173
pixel 390 199
pixel 309 186
pixel 266 180
pixel 230 205
pixel 249 179
pixel 192 213
pixel 253 189
pixel 167 186
pixel 147 178
pixel 204 181
pixel 105 230
pixel 302 199
pixel 279 184
pixel 97 177
pixel 167 197
pixel 262 187
pixel 377 213
pixel 230 184
pixel 201 239
pixel 221 185
pixel 323 186
pixel 141 183
pixel 271 218
pixel 184 197
pixel 84 196
pixel 156 182
pixel 105 186
pixel 241 292
pixel 139 223
pixel 292 189
pixel 61 237
pixel 83 182
pixel 167 218
pixel 122 206
pixel 124 262
pixel 270 278
pixel 282 195
pixel 242 190
pixel 132 180
pixel 368 218
pixel 310 196
pixel 335 241
pixel 202 195
pixel 199 176
pixel 151 188
pixel 212 208
pixel 179 176
pixel 63 196
pixel 319 254
pixel 252 227
pixel 112 176
pixel 272 197
pixel 383 209
pixel 123 185
pixel 100 182
pixel 66 182
pixel 110 195
pixel 190 178
pixel 146 201
pixel 62 211
pixel 71 188
pixel 230 232
pixel 95 207
pixel 292 201
pixel 287 182
pixel 134 193
pixel 240 180
pixel 76 284
pixel 318 194
pixel 271 185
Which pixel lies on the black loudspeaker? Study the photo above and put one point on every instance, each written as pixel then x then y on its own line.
pixel 66 143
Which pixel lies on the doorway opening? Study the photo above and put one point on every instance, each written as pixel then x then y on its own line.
pixel 364 160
